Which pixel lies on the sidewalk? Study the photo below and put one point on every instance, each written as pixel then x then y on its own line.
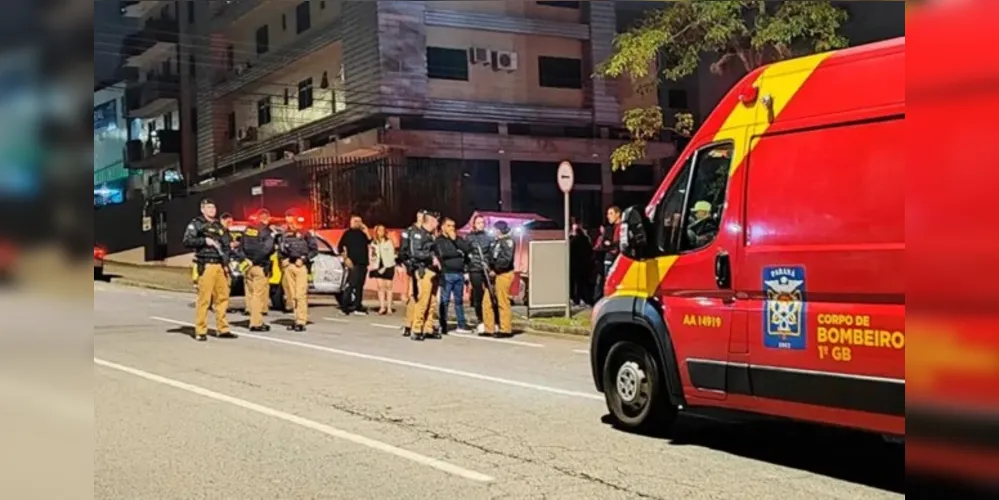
pixel 179 280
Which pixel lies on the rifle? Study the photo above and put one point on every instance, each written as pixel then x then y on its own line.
pixel 489 284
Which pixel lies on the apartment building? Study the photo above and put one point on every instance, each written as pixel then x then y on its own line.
pixel 492 94
pixel 111 178
pixel 151 70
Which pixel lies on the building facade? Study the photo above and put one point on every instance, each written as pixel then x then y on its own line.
pixel 152 69
pixel 491 94
pixel 111 177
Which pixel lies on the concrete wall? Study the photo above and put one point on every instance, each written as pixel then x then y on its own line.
pixel 517 87
pixel 242 34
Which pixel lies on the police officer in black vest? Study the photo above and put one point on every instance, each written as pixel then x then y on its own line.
pixel 210 242
pixel 258 243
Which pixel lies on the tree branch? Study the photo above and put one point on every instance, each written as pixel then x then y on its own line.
pixel 718 67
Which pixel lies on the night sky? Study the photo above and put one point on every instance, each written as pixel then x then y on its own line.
pixel 108 31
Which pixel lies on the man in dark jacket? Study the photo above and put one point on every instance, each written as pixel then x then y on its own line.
pixel 210 242
pixel 298 249
pixel 424 263
pixel 257 247
pixel 452 251
pixel 479 243
pixel 356 250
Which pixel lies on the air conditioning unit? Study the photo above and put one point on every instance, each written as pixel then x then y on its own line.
pixel 241 134
pixel 478 55
pixel 504 60
pixel 240 69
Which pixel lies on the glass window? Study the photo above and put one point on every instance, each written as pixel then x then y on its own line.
pixel 706 198
pixel 263 39
pixel 560 72
pixel 447 64
pixel 302 19
pixel 567 5
pixel 264 111
pixel 305 94
pixel 670 210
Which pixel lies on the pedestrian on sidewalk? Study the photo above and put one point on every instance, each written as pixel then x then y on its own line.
pixel 355 247
pixel 452 251
pixel 383 268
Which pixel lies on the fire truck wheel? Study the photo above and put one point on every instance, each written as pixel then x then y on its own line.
pixel 634 389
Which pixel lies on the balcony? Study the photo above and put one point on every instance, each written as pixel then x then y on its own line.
pixel 152 97
pixel 247 72
pixel 156 40
pixel 227 12
pixel 160 151
pixel 138 8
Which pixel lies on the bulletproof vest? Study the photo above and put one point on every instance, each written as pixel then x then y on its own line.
pixel 258 243
pixel 502 255
pixel 215 231
pixel 296 246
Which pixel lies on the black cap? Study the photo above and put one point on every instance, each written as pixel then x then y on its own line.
pixel 226 215
pixel 501 226
pixel 207 201
pixel 432 213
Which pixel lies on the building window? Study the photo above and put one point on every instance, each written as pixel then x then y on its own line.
pixel 305 94
pixel 263 39
pixel 166 68
pixel 190 11
pixel 567 5
pixel 560 72
pixel 287 96
pixel 302 19
pixel 322 4
pixel 231 125
pixel 676 99
pixel 284 22
pixel 194 120
pixel 264 111
pixel 447 64
pixel 230 57
pixel 168 121
pixel 191 65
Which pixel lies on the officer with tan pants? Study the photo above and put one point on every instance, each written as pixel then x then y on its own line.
pixel 409 291
pixel 257 247
pixel 210 243
pixel 298 249
pixel 425 266
pixel 500 261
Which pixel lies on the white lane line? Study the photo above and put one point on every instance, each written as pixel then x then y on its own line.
pixel 410 364
pixel 581 351
pixel 304 422
pixel 387 327
pixel 337 320
pixel 490 339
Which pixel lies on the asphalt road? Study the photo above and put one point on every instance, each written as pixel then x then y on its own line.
pixel 349 409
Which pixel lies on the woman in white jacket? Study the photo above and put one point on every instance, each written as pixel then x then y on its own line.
pixel 383 268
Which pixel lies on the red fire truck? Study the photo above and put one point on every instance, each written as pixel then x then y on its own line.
pixel 767 273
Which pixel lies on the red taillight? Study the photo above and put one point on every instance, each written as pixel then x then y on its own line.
pixel 749 95
pixel 99 253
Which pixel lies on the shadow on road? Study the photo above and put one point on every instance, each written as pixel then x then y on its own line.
pixel 106 278
pixel 837 453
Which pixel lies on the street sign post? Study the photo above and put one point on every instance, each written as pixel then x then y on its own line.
pixel 566 179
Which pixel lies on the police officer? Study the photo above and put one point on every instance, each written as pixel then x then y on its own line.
pixel 210 242
pixel 298 249
pixel 423 263
pixel 479 242
pixel 257 247
pixel 501 256
pixel 404 260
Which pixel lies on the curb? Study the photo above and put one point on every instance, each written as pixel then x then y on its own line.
pixel 525 325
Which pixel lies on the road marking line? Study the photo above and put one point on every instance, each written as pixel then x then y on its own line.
pixel 337 320
pixel 490 339
pixel 387 327
pixel 410 364
pixel 304 422
pixel 581 351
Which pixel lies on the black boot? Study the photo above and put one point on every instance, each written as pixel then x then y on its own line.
pixel 406 331
pixel 201 338
pixel 417 337
pixel 299 328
